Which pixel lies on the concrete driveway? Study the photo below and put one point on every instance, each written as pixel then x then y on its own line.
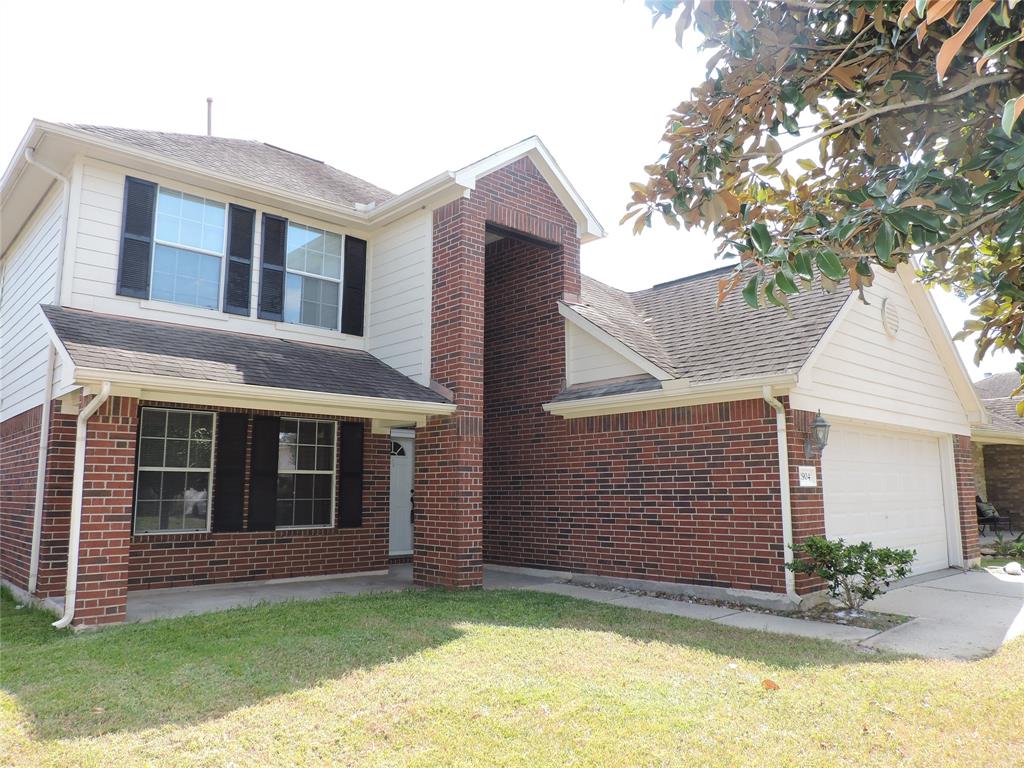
pixel 957 614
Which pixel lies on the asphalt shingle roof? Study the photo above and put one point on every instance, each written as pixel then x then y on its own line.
pixel 997 385
pixel 1003 413
pixel 108 342
pixel 678 327
pixel 251 161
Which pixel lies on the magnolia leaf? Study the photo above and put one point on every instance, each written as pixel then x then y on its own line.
pixel 1011 111
pixel 920 8
pixel 952 46
pixel 761 236
pixel 750 291
pixel 884 241
pixel 939 10
pixel 806 164
pixel 990 52
pixel 802 265
pixel 830 265
pixel 908 6
pixel 785 283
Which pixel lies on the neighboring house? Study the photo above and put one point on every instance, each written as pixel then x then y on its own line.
pixel 223 361
pixel 999 447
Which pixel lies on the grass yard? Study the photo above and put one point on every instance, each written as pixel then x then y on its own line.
pixel 495 678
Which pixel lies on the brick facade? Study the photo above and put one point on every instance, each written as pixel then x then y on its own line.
pixel 1004 480
pixel 19 454
pixel 683 494
pixel 448 548
pixel 190 559
pixel 964 463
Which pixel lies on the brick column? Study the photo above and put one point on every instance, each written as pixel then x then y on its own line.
pixel 448 546
pixel 807 504
pixel 107 513
pixel 964 462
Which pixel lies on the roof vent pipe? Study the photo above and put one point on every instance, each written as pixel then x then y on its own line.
pixel 209 116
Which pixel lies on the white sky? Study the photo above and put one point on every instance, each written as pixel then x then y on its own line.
pixel 392 92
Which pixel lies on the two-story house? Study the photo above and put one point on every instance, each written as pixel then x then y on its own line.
pixel 224 361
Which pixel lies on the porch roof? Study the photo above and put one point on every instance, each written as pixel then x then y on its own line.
pixel 148 349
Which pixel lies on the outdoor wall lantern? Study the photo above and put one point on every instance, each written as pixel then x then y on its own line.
pixel 817 437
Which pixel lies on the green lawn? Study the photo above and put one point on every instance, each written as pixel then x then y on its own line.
pixel 496 678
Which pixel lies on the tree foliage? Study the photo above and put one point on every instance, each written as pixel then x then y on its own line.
pixel 855 573
pixel 832 139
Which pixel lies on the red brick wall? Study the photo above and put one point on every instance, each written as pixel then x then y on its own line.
pixel 682 494
pixel 107 513
pixel 187 559
pixel 449 451
pixel 1004 473
pixel 964 462
pixel 19 452
pixel 60 465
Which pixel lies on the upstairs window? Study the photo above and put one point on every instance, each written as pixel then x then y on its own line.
pixel 188 249
pixel 313 277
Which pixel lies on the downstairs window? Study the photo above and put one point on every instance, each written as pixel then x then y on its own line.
pixel 305 474
pixel 175 471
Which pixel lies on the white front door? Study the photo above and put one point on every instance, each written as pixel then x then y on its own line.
pixel 402 449
pixel 886 487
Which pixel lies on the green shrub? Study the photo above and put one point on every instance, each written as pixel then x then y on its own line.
pixel 1001 547
pixel 855 573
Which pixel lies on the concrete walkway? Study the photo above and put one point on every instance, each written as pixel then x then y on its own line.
pixel 956 614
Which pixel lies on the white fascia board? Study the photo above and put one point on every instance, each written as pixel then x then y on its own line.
pixel 574 317
pixel 985 436
pixel 588 227
pixel 939 335
pixel 196 391
pixel 672 397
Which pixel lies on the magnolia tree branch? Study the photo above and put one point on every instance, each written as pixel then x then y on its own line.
pixel 876 111
pixel 839 58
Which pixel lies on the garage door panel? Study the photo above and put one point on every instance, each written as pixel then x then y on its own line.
pixel 886 488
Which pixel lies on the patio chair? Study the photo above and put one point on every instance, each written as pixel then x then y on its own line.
pixel 989 516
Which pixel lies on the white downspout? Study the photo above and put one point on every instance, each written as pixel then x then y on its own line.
pixel 787 506
pixel 44 431
pixel 77 482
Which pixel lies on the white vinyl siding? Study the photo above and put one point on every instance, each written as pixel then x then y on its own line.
pixel 399 295
pixel 863 373
pixel 587 359
pixel 29 279
pixel 96 237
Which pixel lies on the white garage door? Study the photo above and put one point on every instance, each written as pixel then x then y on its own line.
pixel 886 488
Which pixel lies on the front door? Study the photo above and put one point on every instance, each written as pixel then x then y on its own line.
pixel 401 495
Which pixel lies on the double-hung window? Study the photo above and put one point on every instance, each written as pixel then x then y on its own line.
pixel 175 471
pixel 188 249
pixel 305 473
pixel 313 279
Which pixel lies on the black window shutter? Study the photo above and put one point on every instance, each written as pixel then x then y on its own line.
pixel 238 282
pixel 136 238
pixel 350 502
pixel 275 238
pixel 354 289
pixel 229 471
pixel 263 481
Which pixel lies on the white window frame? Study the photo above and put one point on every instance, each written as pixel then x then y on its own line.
pixel 334 476
pixel 140 468
pixel 222 255
pixel 288 270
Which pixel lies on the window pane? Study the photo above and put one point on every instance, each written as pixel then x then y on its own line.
pixel 286 458
pixel 285 486
pixel 148 516
pixel 304 486
pixel 170 515
pixel 284 512
pixel 178 423
pixel 202 426
pixel 325 433
pixel 324 458
pixel 322 487
pixel 292 298
pixel 322 512
pixel 185 277
pixel 154 422
pixel 149 486
pixel 196 499
pixel 307 432
pixel 307 457
pixel 199 454
pixel 176 454
pixel 151 452
pixel 303 512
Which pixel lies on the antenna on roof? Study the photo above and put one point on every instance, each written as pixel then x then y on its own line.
pixel 209 116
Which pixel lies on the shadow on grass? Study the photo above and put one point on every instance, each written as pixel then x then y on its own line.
pixel 190 669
